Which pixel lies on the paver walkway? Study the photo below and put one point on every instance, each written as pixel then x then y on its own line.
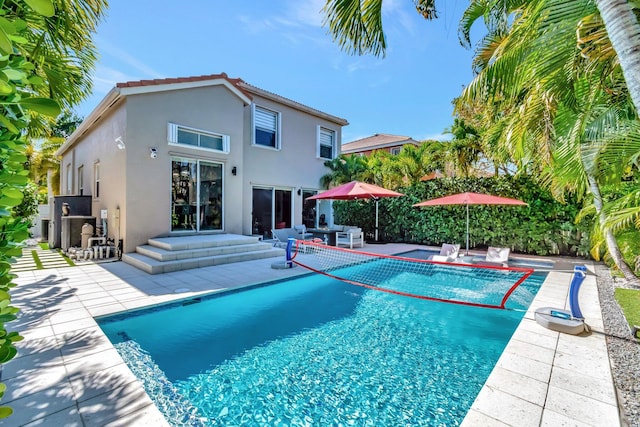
pixel 36 258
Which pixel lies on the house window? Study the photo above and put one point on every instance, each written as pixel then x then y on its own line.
pixel 396 150
pixel 266 125
pixel 182 135
pixel 326 143
pixel 81 180
pixel 96 181
pixel 69 180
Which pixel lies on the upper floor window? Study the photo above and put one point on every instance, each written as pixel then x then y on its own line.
pixel 396 150
pixel 183 135
pixel 266 127
pixel 326 143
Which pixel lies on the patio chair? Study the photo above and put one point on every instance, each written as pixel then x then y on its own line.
pixel 302 232
pixel 281 236
pixel 496 257
pixel 448 253
pixel 350 236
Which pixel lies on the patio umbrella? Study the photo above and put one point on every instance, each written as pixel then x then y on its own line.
pixel 357 190
pixel 470 199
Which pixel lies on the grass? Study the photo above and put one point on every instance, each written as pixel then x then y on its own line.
pixel 629 300
pixel 36 259
pixel 44 245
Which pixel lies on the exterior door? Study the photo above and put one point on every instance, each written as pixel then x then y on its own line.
pixel 196 195
pixel 272 208
pixel 309 209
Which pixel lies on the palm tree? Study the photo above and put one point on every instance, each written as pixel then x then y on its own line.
pixel 60 46
pixel 343 169
pixel 558 100
pixel 623 30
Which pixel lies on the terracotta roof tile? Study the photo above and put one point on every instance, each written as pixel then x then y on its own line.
pixel 375 141
pixel 171 80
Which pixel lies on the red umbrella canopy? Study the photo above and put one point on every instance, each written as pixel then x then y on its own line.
pixel 355 190
pixel 471 199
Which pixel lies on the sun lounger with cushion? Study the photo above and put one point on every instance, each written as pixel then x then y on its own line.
pixel 448 253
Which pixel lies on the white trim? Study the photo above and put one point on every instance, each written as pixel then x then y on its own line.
pixel 278 130
pixel 293 104
pixel 198 161
pixel 319 132
pixel 172 138
pixel 136 90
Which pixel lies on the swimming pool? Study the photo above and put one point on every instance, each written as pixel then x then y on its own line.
pixel 314 351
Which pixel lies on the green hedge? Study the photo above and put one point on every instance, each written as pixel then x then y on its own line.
pixel 544 227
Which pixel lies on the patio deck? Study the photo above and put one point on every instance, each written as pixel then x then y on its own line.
pixel 68 373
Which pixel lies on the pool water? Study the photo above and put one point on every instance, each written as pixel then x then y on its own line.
pixel 314 351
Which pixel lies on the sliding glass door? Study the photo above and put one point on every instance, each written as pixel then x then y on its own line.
pixel 272 208
pixel 196 196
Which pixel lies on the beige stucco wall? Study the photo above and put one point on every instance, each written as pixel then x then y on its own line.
pixel 98 146
pixel 295 166
pixel 213 109
pixel 140 186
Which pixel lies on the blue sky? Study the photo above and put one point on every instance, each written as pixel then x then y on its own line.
pixel 281 46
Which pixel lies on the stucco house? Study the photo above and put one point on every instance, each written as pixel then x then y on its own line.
pixel 380 141
pixel 199 155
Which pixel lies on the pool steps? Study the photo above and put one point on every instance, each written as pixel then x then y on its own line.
pixel 166 254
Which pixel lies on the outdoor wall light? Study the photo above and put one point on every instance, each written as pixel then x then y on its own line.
pixel 153 153
pixel 119 143
pixel 299 191
pixel 234 171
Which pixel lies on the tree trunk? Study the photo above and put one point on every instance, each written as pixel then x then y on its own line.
pixel 624 32
pixel 612 244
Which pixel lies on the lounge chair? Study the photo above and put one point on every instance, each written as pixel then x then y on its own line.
pixel 302 232
pixel 496 257
pixel 350 236
pixel 281 236
pixel 448 253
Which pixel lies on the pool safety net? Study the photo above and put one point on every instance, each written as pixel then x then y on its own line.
pixel 467 284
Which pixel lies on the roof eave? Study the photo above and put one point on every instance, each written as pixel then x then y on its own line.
pixel 293 104
pixel 112 98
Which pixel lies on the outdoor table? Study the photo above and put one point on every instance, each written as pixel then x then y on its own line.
pixel 326 234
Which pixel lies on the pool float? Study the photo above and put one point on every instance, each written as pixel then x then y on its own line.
pixel 567 321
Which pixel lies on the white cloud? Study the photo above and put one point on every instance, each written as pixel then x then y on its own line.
pixel 436 136
pixel 306 12
pixel 127 59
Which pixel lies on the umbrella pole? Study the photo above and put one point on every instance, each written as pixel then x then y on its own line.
pixel 467 252
pixel 376 220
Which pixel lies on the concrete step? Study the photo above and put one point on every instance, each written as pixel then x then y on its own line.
pixel 200 241
pixel 165 254
pixel 154 266
pixel 161 254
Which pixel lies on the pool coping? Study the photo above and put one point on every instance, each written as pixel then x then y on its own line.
pixel 67 372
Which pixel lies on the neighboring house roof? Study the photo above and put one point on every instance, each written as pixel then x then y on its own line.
pixel 240 88
pixel 376 142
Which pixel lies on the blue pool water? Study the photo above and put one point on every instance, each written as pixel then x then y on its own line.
pixel 315 351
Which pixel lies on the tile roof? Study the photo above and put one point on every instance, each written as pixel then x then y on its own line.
pixel 378 140
pixel 172 80
pixel 244 87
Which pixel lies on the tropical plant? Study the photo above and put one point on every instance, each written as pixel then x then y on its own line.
pixel 343 169
pixel 560 102
pixel 531 62
pixel 45 52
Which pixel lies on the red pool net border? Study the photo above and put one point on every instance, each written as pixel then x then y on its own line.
pixel 341 258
